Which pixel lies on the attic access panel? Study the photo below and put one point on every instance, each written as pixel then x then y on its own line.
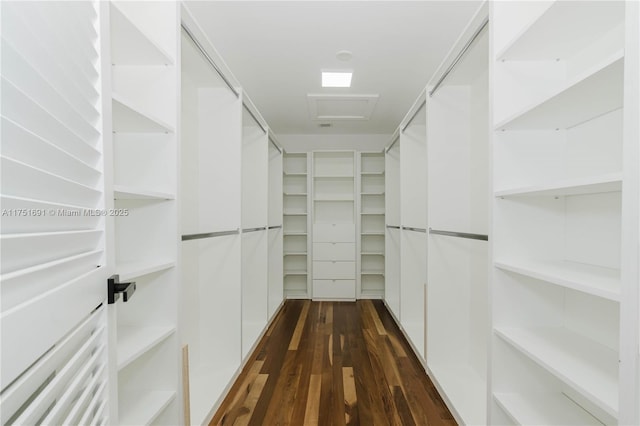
pixel 341 107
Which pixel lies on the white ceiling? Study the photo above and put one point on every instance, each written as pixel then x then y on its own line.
pixel 277 49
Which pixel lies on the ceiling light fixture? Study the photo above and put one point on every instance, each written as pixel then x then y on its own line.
pixel 344 55
pixel 336 78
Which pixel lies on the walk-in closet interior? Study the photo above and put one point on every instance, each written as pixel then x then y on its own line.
pixel 174 177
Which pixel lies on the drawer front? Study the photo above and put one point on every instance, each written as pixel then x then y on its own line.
pixel 334 289
pixel 334 270
pixel 334 233
pixel 334 251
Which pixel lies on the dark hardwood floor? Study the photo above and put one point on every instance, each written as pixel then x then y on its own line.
pixel 333 363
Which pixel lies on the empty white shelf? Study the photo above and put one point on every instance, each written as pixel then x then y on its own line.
pixel 135 341
pixel 611 182
pixel 123 192
pixel 534 409
pixel 380 173
pixel 295 253
pixel 588 367
pixel 596 92
pixel 373 213
pixel 287 273
pixel 295 173
pixel 372 233
pixel 372 253
pixel 292 213
pixel 465 389
pixel 145 407
pixel 372 193
pixel 334 197
pixel 131 270
pixel 130 45
pixel 590 279
pixel 371 272
pixel 562 29
pixel 127 119
pixel 288 233
pixel 297 194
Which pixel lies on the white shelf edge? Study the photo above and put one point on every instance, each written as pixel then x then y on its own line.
pixel 294 214
pixel 294 273
pixel 136 341
pixel 610 182
pixel 295 194
pixel 562 276
pixel 371 253
pixel 372 193
pixel 125 103
pixel 124 192
pixel 539 345
pixel 287 234
pixel 147 408
pixel 526 409
pixel 302 253
pixel 611 60
pixel 130 270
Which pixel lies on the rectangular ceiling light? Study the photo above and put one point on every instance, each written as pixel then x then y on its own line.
pixel 336 79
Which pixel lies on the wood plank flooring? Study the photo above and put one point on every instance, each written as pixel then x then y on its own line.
pixel 333 363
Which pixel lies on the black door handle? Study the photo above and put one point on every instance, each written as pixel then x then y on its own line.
pixel 115 288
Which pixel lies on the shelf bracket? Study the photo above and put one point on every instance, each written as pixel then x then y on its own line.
pixel 115 288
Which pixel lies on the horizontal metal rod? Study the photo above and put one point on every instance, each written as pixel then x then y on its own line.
pixel 188 237
pixel 392 144
pixel 275 227
pixel 210 60
pixel 415 114
pixel 393 227
pixel 481 237
pixel 260 228
pixel 254 117
pixel 460 56
pixel 274 144
pixel 409 228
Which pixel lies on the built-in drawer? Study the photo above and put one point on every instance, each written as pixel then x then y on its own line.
pixel 334 270
pixel 334 233
pixel 334 251
pixel 334 289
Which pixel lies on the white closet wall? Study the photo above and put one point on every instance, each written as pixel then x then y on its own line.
pixel 255 187
pixel 210 213
pixel 144 82
pixel 458 188
pixel 393 234
pixel 413 218
pixel 275 262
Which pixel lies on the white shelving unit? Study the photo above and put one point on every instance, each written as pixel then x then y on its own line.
pixel 211 153
pixel 295 187
pixel 371 284
pixel 458 184
pixel 144 52
pixel 560 182
pixel 334 225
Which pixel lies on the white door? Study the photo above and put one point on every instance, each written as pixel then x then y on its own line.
pixel 53 272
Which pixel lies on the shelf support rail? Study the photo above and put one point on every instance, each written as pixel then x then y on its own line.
pixel 210 60
pixel 459 57
pixel 410 228
pixel 275 145
pixel 256 120
pixel 188 237
pixel 481 237
pixel 260 228
pixel 415 114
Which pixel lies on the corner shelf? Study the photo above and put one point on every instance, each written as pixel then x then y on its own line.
pixel 127 119
pixel 130 45
pixel 146 407
pixel 611 182
pixel 590 368
pixel 594 93
pixel 560 30
pixel 131 270
pixel 123 192
pixel 133 342
pixel 590 279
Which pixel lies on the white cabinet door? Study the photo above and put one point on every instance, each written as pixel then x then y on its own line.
pixel 54 272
